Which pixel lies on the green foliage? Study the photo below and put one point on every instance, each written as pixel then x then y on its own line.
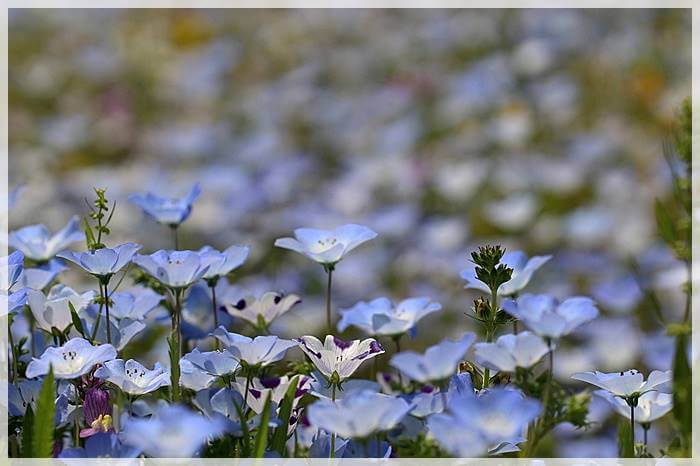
pixel 261 436
pixel 624 439
pixel 173 351
pixel 245 438
pixel 42 435
pixel 279 438
pixel 27 431
pixel 682 395
pixel 77 323
pixel 489 270
pixel 419 447
pixel 101 216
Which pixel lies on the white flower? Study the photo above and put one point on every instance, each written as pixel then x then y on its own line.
pixel 259 351
pixel 172 432
pixel 626 383
pixel 547 318
pixel 650 406
pixel 77 357
pixel 193 377
pixel 260 311
pixel 327 246
pixel 523 269
pixel 510 351
pixel 133 305
pixel 222 263
pixel 132 377
pixel 437 363
pixel 37 243
pixel 260 389
pixel 103 262
pixel 175 269
pixel 359 414
pixel 217 363
pixel 53 311
pixel 381 317
pixel 336 356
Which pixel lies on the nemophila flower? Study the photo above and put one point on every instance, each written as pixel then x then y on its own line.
pixel 437 363
pixel 546 317
pixel 381 317
pixel 260 310
pixel 11 270
pixel 132 377
pixel 101 445
pixel 77 357
pixel 626 384
pixel 338 359
pixel 133 305
pixel 650 406
pixel 511 351
pixel 103 262
pixel 320 388
pixel 121 331
pixel 260 389
pixel 38 244
pixel 217 363
pixel 21 395
pixel 224 262
pixel 97 411
pixel 259 351
pixel 175 269
pixel 523 269
pixel 168 211
pixel 193 377
pixel 173 431
pixel 9 304
pixel 38 278
pixel 358 415
pixel 53 310
pixel 459 440
pixel 327 247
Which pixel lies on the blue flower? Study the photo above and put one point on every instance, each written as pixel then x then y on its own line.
pixel 327 246
pixel 104 262
pixel 377 413
pixel 11 270
pixel 13 302
pixel 134 305
pixel 437 363
pixel 175 269
pixel 548 318
pixel 172 432
pixel 37 243
pixel 523 269
pixel 222 263
pixel 259 310
pixel 216 363
pixel 77 357
pixel 102 445
pixel 381 317
pixel 511 351
pixel 259 351
pixel 339 357
pixel 53 310
pixel 167 211
pixel 132 377
pixel 38 278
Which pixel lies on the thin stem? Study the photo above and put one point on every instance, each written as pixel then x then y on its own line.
pixel 328 300
pixel 12 348
pixel 107 321
pixel 175 239
pixel 175 339
pixel 632 424
pixel 646 426
pixel 216 314
pixel 333 435
pixel 247 386
pixel 99 317
pixel 397 340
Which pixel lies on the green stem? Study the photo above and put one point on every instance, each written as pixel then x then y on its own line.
pixel 329 324
pixel 12 348
pixel 332 435
pixel 98 318
pixel 632 425
pixel 175 239
pixel 177 347
pixel 247 386
pixel 107 321
pixel 397 340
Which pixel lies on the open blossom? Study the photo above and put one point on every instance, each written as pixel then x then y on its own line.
pixel 134 305
pixel 53 310
pixel 13 302
pixel 437 363
pixel 101 445
pixel 77 357
pixel 262 310
pixel 175 269
pixel 216 363
pixel 650 406
pixel 103 262
pixel 259 351
pixel 523 269
pixel 626 383
pixel 193 377
pixel 381 317
pixel 38 278
pixel 38 244
pixel 168 211
pixel 221 263
pixel 511 351
pixel 546 317
pixel 132 377
pixel 336 356
pixel 11 270
pixel 172 432
pixel 359 414
pixel 260 389
pixel 327 246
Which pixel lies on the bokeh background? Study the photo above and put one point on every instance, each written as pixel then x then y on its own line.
pixel 442 130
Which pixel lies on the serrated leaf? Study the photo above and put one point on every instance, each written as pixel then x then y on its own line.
pixel 42 435
pixel 261 437
pixel 279 439
pixel 27 430
pixel 77 323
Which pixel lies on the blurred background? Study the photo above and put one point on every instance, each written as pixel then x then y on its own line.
pixel 442 130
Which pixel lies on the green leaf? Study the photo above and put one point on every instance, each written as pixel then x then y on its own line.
pixel 261 437
pixel 245 453
pixel 174 369
pixel 42 436
pixel 682 395
pixel 77 323
pixel 89 237
pixel 279 439
pixel 624 439
pixel 27 430
pixel 664 223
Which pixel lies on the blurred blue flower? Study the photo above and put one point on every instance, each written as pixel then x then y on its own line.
pixel 103 262
pixel 132 377
pixel 549 319
pixel 175 269
pixel 276 387
pixel 193 377
pixel 75 358
pixel 437 363
pixel 216 363
pixel 172 432
pixel 327 247
pixel 53 310
pixel 102 445
pixel 259 311
pixel 381 317
pixel 168 211
pixel 11 268
pixel 511 351
pixel 620 295
pixel 224 262
pixel 336 356
pixel 259 351
pixel 37 243
pixel 38 278
pixel 13 302
pixel 134 305
pixel 523 269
